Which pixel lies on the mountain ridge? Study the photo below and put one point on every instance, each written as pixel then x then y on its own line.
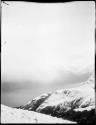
pixel 65 101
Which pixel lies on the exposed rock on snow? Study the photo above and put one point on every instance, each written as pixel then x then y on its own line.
pixel 13 115
pixel 77 97
pixel 36 102
pixel 61 102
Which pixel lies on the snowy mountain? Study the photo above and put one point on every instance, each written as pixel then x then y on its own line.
pixel 67 103
pixel 13 115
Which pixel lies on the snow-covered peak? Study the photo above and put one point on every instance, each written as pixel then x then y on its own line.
pixel 82 95
pixel 36 102
pixel 80 98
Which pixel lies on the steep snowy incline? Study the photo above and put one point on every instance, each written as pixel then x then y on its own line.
pixel 36 102
pixel 13 115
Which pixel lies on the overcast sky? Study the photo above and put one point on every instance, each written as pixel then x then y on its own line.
pixel 45 45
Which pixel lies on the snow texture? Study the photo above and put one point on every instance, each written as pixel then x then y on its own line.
pixel 80 99
pixel 13 115
pixel 81 96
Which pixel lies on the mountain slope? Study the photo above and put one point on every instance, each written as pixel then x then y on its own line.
pixel 63 103
pixel 13 115
pixel 80 96
pixel 35 103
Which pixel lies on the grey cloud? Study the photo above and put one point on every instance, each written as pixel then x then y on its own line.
pixel 12 86
pixel 25 90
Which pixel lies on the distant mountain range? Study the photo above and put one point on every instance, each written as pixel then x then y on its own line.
pixel 75 104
